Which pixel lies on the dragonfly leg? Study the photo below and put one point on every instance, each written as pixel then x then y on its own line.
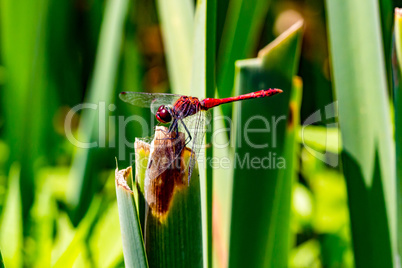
pixel 172 126
pixel 188 132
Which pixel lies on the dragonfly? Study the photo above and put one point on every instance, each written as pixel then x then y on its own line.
pixel 186 114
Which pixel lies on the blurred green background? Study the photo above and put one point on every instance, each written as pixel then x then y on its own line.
pixel 57 201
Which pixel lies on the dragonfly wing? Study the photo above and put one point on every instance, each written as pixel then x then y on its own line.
pixel 196 125
pixel 164 153
pixel 148 100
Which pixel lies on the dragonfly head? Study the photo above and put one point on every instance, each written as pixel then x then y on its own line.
pixel 163 114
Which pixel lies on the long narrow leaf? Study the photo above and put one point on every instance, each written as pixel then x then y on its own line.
pixel 260 155
pixel 11 239
pixel 386 29
pixel 244 20
pixel 106 246
pixel 210 86
pixel 25 98
pixel 133 244
pixel 42 213
pixel 77 246
pixel 203 84
pixel 99 94
pixel 368 159
pixel 173 227
pixel 1 261
pixel 177 20
pixel 398 120
pixel 279 242
pixel 222 190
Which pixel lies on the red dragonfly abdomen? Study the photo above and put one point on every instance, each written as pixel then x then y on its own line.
pixel 211 102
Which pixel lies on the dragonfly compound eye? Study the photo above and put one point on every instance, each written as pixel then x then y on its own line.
pixel 163 115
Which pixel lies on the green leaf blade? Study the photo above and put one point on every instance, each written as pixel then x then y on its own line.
pixel 398 120
pixel 177 22
pixel 243 21
pixel 359 75
pixel 100 95
pixel 133 245
pixel 11 237
pixel 172 224
pixel 254 188
pixel 203 85
pixel 280 236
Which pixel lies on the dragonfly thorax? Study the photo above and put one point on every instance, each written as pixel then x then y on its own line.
pixel 163 114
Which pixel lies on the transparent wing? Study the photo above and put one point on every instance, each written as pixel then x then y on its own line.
pixel 148 100
pixel 196 125
pixel 164 154
pixel 166 150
